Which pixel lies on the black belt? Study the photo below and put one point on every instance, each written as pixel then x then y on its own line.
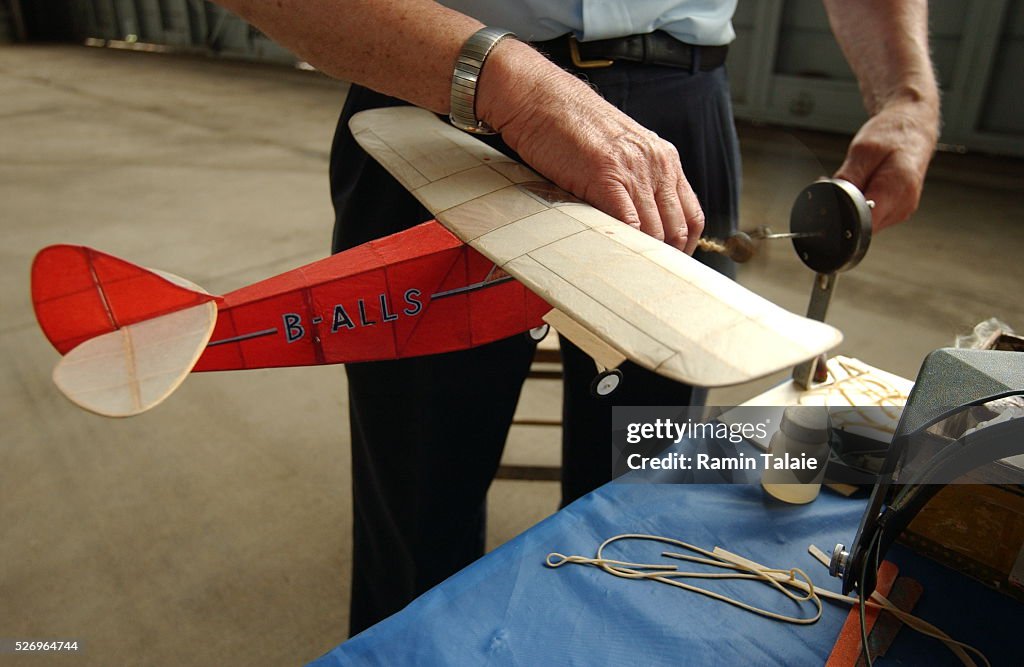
pixel 656 48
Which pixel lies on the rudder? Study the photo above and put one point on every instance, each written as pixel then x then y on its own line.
pixel 79 293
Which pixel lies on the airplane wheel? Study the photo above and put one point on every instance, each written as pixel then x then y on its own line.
pixel 538 333
pixel 606 383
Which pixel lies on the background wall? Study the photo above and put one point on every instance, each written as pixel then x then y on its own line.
pixel 785 65
pixel 786 68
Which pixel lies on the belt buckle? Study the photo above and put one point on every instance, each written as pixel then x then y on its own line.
pixel 574 54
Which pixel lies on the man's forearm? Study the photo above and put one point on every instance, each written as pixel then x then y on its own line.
pixel 403 48
pixel 886 44
pixel 557 124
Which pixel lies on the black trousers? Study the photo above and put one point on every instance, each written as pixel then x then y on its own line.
pixel 428 432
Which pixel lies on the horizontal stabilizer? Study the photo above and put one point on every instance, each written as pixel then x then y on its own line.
pixel 134 368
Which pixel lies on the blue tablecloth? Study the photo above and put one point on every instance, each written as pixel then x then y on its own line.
pixel 510 609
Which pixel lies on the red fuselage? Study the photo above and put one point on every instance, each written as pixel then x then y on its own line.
pixel 418 292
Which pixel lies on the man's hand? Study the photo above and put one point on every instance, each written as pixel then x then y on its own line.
pixel 886 44
pixel 887 160
pixel 630 173
pixel 567 132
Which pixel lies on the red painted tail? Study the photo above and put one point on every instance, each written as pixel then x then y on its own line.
pixel 80 293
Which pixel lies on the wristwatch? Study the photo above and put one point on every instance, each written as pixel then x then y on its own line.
pixel 466 75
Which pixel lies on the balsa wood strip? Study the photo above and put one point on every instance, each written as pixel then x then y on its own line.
pixel 478 217
pixel 527 234
pixel 433 154
pixel 421 133
pixel 460 188
pixel 397 166
pixel 590 216
pixel 515 172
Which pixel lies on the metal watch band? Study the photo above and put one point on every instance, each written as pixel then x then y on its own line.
pixel 465 76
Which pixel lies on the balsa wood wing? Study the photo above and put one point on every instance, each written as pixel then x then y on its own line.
pixel 657 306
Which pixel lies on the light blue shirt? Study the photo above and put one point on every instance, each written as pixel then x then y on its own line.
pixel 704 22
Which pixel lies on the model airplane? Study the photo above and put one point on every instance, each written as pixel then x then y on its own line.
pixel 516 244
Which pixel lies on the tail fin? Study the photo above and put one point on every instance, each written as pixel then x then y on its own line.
pixel 129 335
pixel 80 293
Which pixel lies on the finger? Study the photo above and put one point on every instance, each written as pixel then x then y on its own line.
pixel 618 204
pixel 895 187
pixel 673 219
pixel 646 205
pixel 894 200
pixel 882 213
pixel 692 212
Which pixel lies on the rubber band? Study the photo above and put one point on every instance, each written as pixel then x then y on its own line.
pixel 745 569
pixel 670 575
pixel 712 245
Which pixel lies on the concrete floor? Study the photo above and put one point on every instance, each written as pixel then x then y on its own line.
pixel 214 530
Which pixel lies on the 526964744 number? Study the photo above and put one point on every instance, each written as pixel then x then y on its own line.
pixel 58 645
